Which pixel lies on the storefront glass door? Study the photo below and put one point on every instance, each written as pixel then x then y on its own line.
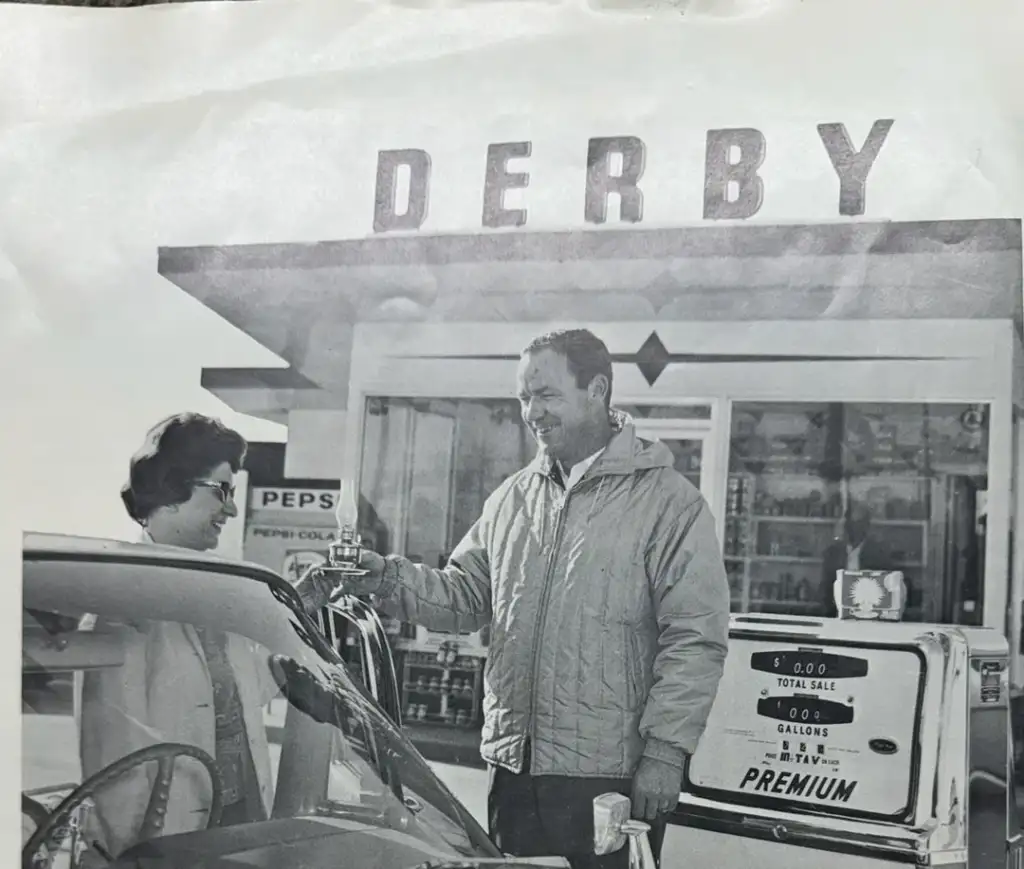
pixel 688 450
pixel 428 465
pixel 688 453
pixel 686 430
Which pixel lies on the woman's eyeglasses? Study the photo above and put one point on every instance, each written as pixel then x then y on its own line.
pixel 225 491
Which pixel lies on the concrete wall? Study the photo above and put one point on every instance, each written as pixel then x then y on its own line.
pixel 316 445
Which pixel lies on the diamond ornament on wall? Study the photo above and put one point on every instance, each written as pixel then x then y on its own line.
pixel 652 358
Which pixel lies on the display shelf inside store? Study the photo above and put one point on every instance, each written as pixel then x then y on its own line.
pixel 412 687
pixel 433 665
pixel 755 575
pixel 820 520
pixel 437 718
pixel 439 703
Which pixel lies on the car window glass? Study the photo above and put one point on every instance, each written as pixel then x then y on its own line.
pixel 96 689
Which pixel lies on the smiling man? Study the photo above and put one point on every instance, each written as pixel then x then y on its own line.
pixel 598 571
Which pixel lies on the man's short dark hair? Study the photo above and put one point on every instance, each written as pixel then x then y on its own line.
pixel 177 452
pixel 585 353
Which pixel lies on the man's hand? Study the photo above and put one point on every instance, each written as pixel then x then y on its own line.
pixel 317 587
pixel 656 787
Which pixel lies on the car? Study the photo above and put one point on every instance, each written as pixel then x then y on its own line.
pixel 348 788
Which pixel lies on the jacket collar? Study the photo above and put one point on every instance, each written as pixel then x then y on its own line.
pixel 617 456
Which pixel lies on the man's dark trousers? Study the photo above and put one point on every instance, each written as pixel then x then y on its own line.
pixel 553 815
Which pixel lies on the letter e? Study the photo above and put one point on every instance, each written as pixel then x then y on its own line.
pixel 497 179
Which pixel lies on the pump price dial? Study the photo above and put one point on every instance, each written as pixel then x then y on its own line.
pixel 805 710
pixel 809 663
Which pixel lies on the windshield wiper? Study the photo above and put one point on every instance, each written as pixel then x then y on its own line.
pixel 362 814
pixel 479 863
pixel 449 864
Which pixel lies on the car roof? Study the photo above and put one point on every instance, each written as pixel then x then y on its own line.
pixel 88 574
pixel 37 544
pixel 69 580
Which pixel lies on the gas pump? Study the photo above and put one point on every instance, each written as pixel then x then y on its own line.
pixel 860 740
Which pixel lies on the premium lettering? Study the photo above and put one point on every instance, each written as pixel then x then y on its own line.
pixel 791 784
pixel 736 162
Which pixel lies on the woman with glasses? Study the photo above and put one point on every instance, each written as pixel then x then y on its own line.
pixel 182 481
pixel 179 682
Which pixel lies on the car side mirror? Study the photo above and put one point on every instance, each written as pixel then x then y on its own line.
pixel 351 617
pixel 614 830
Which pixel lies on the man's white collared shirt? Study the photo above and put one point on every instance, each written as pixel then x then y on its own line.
pixel 578 470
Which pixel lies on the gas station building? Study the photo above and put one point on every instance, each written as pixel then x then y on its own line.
pixel 794 370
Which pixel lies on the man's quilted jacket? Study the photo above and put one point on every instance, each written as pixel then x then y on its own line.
pixel 608 608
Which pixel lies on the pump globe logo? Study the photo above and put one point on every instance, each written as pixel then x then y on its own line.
pixel 866 595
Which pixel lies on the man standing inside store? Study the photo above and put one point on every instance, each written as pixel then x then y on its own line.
pixel 599 573
pixel 854 549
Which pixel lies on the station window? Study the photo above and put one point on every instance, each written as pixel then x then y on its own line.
pixel 814 488
pixel 429 464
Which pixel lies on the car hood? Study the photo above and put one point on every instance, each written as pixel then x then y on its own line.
pixel 311 842
pixel 498 863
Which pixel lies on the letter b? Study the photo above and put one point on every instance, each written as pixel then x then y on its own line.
pixel 720 170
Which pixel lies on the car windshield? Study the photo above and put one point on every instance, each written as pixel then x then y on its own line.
pixel 129 648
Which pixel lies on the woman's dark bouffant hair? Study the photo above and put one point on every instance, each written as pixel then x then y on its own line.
pixel 177 452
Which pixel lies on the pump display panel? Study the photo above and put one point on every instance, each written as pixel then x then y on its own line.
pixel 832 727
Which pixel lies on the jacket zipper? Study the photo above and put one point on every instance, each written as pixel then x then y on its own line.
pixel 541 619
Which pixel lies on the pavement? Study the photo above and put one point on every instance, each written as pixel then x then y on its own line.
pixel 469 785
pixel 449 745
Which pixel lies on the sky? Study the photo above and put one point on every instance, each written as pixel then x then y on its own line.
pixel 84 390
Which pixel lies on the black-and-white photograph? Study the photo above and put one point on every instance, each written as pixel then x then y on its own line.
pixel 472 454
